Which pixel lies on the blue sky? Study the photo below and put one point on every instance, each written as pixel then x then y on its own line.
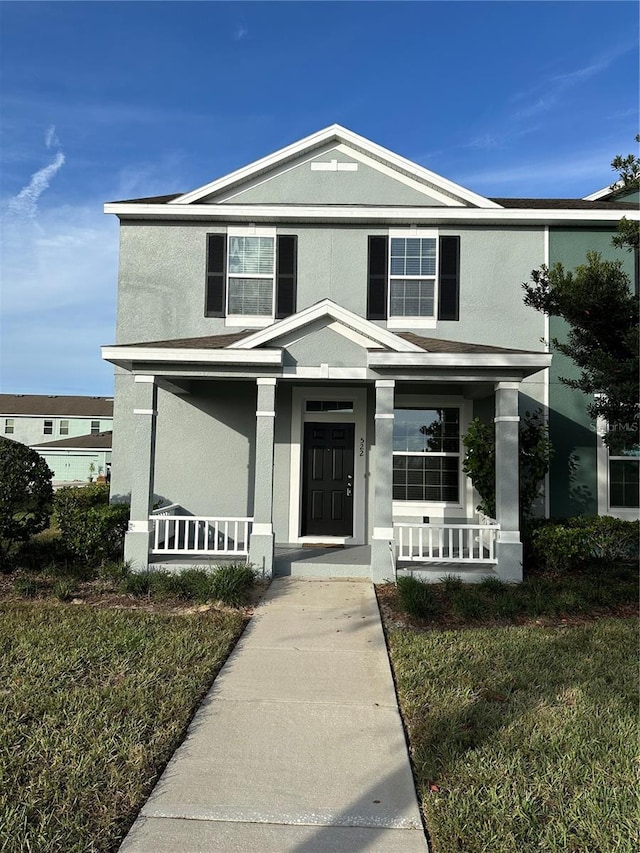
pixel 110 100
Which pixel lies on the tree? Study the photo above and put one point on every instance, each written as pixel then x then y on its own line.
pixel 602 314
pixel 534 458
pixel 26 495
pixel 628 168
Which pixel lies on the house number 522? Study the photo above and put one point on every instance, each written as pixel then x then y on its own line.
pixel 362 447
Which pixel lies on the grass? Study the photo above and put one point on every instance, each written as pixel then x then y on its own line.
pixel 523 738
pixel 93 701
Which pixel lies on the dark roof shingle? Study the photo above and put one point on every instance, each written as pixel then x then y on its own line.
pixel 56 405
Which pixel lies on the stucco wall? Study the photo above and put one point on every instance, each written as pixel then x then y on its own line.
pixel 162 280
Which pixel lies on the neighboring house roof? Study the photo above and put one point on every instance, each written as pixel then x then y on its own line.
pixel 47 405
pixel 99 441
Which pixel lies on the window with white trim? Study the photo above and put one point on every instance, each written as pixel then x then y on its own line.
pixel 413 262
pixel 426 455
pixel 251 270
pixel 95 427
pixel 47 428
pixel 9 426
pixel 624 477
pixel 64 428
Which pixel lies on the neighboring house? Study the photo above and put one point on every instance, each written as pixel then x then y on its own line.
pixel 300 348
pixel 72 433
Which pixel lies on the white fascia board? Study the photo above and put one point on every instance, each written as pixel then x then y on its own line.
pixel 261 165
pixel 442 359
pixel 200 356
pixel 604 192
pixel 419 215
pixel 325 308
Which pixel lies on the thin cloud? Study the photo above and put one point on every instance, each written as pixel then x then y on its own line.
pixel 51 137
pixel 241 32
pixel 25 204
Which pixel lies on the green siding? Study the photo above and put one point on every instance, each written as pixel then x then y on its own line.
pixel 573 475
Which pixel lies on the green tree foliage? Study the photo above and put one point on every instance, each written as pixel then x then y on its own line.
pixel 602 314
pixel 92 529
pixel 26 495
pixel 534 458
pixel 628 168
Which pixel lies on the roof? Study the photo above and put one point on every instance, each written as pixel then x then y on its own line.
pixel 563 204
pixel 99 441
pixel 56 405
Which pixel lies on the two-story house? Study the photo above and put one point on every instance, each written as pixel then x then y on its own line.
pixel 71 433
pixel 301 345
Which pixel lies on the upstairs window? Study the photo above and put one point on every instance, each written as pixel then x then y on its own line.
pixel 64 427
pixel 47 428
pixel 95 427
pixel 413 278
pixel 251 276
pixel 9 426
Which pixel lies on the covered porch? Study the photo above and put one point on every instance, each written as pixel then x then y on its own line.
pixel 371 527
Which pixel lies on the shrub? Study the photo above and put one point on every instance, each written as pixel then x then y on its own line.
pixel 114 571
pixel 25 496
pixel 579 542
pixel 92 529
pixel 231 583
pixel 64 589
pixel 136 583
pixel 26 587
pixel 417 599
pixel 44 551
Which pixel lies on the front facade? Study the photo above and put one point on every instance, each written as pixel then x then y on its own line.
pixel 301 346
pixel 71 433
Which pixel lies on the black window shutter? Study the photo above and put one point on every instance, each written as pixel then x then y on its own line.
pixel 216 275
pixel 377 274
pixel 286 275
pixel 449 279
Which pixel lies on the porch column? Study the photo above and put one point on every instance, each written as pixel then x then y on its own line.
pixel 137 538
pixel 509 546
pixel 261 540
pixel 382 542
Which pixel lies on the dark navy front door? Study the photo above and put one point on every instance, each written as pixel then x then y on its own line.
pixel 327 483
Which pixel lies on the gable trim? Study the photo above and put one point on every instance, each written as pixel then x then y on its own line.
pixel 340 135
pixel 326 308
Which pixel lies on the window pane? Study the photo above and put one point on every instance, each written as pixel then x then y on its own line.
pixel 64 427
pixel 623 483
pixel 422 430
pixel 412 297
pixel 48 428
pixel 250 296
pixel 251 255
pixel 425 478
pixel 8 426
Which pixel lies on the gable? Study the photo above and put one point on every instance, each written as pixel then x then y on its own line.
pixel 367 164
pixel 321 344
pixel 336 175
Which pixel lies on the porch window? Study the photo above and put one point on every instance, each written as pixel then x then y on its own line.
pixel 624 476
pixel 426 455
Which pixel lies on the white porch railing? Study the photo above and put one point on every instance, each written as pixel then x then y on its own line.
pixel 447 543
pixel 190 535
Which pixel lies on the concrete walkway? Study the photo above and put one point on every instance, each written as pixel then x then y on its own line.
pixel 299 746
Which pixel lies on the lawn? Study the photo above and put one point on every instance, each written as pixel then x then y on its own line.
pixel 93 701
pixel 523 737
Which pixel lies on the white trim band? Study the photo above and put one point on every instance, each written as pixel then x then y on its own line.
pixel 265 414
pixel 140 527
pixel 265 380
pixel 153 412
pixel 506 419
pixel 384 417
pixel 261 529
pixel 142 377
pixel 383 533
pixel 509 537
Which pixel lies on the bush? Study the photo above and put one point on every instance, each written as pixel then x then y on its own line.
pixel 231 583
pixel 64 589
pixel 576 543
pixel 25 496
pixel 92 529
pixel 417 599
